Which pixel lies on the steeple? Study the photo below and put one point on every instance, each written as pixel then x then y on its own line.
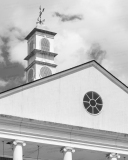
pixel 41 54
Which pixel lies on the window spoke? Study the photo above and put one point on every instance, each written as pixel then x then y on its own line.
pixel 98 103
pixel 97 98
pixel 93 110
pixel 92 95
pixel 88 106
pixel 88 96
pixel 86 101
pixel 97 108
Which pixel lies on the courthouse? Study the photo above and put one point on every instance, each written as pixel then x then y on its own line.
pixel 77 114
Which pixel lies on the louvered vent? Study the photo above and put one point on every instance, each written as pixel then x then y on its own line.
pixel 30 75
pixel 31 46
pixel 45 71
pixel 45 45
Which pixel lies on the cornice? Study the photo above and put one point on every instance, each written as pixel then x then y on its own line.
pixel 62 134
pixel 40 52
pixel 41 31
pixel 41 63
pixel 42 34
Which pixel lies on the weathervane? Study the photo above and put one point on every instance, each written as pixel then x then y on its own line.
pixel 39 21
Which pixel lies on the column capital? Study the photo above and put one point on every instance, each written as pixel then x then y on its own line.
pixel 67 149
pixel 19 142
pixel 113 155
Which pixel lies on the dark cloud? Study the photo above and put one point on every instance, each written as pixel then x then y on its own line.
pixel 13 81
pixel 18 33
pixel 10 72
pixel 96 53
pixel 65 18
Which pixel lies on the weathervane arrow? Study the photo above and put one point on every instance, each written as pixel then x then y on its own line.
pixel 39 21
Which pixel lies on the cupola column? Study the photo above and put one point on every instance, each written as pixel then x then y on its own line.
pixel 113 156
pixel 67 152
pixel 18 150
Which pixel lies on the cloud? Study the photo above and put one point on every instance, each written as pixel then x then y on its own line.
pixel 12 82
pixel 12 52
pixel 65 18
pixel 3 83
pixel 12 75
pixel 18 53
pixel 17 32
pixel 96 53
pixel 96 22
pixel 104 23
pixel 13 45
pixel 2 59
pixel 70 47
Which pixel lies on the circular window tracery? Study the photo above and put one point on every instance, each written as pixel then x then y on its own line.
pixel 92 102
pixel 44 72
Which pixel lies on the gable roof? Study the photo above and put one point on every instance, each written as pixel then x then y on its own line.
pixel 64 73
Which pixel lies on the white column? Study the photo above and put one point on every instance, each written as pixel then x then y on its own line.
pixel 18 150
pixel 113 156
pixel 67 151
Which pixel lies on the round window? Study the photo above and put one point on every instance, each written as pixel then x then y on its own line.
pixel 92 102
pixel 44 72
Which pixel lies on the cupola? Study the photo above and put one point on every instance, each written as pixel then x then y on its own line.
pixel 41 54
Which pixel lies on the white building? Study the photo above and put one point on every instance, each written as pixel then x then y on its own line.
pixel 80 113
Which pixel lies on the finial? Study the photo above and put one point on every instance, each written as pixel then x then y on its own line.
pixel 39 21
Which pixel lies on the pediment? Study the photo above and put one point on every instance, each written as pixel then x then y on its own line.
pixel 59 99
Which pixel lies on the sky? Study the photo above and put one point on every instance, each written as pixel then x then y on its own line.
pixel 86 30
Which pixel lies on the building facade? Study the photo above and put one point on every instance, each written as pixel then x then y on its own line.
pixel 80 113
